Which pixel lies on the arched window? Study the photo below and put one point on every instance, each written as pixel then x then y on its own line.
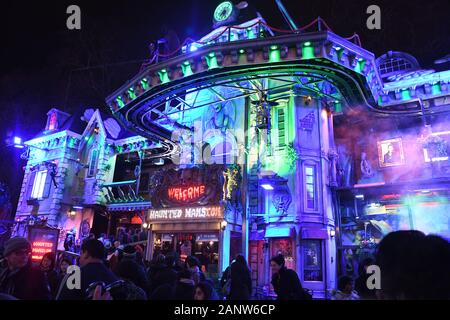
pixel 394 63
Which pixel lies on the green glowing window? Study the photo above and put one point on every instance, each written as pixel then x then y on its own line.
pixel 281 127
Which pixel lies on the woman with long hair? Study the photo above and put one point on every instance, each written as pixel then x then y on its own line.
pixel 47 266
pixel 241 280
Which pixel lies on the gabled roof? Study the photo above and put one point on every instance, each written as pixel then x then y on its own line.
pixel 76 124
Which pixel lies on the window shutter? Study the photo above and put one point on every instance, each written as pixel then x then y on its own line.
pixel 281 128
pixel 31 178
pixel 47 185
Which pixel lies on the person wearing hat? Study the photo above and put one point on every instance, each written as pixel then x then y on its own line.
pixel 20 279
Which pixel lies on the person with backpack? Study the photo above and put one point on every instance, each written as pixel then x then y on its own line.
pixel 285 281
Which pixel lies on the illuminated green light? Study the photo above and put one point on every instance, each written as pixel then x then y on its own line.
pixel 211 60
pixel 307 44
pixel 144 84
pixel 120 102
pixel 339 52
pixel 274 55
pixel 72 142
pixel 86 138
pixel 337 107
pixel 308 51
pixel 241 51
pixel 406 95
pixel 186 69
pixel 131 94
pixel 250 33
pixel 360 65
pixel 436 88
pixel 164 76
pixel 273 47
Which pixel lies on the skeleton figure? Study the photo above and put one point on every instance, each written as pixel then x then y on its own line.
pixel 366 168
pixel 232 178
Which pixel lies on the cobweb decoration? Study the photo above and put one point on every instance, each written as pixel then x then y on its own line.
pixel 113 127
pixel 307 123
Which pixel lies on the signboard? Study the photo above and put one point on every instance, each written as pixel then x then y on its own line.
pixel 188 213
pixel 166 237
pixel 193 187
pixel 207 237
pixel 43 240
pixel 186 193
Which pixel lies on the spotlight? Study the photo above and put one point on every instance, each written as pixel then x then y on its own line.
pixel 267 186
pixel 307 100
pixel 223 224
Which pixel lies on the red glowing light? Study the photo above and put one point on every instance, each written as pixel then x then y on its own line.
pixel 391 196
pixel 186 194
pixel 40 248
pixel 136 220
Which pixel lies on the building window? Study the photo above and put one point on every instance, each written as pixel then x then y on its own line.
pixel 285 247
pixel 310 187
pixel 52 123
pixel 92 163
pixel 39 185
pixel 312 260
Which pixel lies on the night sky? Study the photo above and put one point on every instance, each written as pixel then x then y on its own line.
pixel 45 65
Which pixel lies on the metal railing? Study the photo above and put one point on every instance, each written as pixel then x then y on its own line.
pixel 121 192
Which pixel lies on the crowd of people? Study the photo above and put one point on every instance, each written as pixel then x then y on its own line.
pixel 413 265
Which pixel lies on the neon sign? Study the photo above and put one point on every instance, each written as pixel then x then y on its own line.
pixel 186 194
pixel 43 240
pixel 196 213
pixel 40 248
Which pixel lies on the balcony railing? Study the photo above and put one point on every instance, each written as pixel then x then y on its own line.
pixel 121 192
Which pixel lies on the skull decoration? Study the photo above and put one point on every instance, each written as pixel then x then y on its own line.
pixel 282 199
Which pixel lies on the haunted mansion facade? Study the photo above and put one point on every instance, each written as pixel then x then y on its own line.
pixel 251 142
